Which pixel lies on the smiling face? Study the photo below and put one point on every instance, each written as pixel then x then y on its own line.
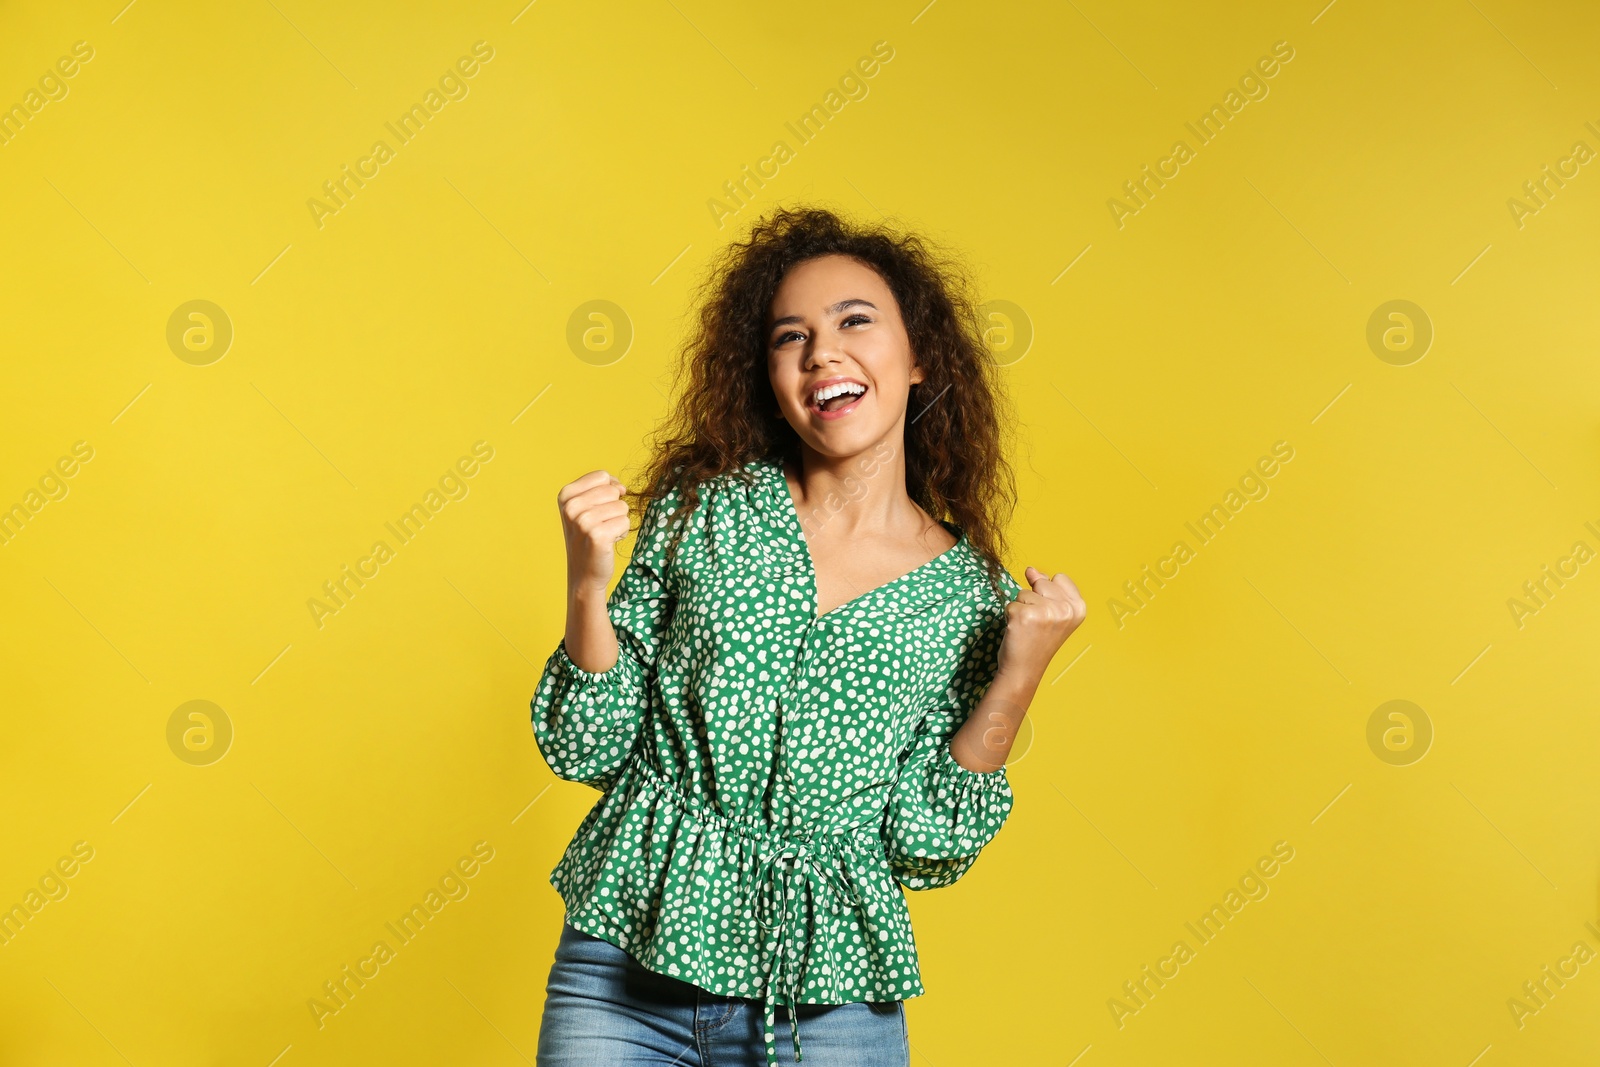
pixel 836 327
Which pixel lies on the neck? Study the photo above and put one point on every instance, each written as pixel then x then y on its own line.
pixel 862 494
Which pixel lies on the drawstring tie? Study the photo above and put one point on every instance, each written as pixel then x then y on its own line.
pixel 779 871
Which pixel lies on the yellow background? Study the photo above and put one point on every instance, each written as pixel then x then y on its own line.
pixel 432 311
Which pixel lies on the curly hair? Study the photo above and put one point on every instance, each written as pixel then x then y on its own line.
pixel 727 413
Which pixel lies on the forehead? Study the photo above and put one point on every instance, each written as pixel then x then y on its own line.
pixel 812 286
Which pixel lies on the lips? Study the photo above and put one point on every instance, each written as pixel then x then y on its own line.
pixel 838 411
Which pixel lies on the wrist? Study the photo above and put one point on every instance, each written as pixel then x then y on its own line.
pixel 586 591
pixel 1016 684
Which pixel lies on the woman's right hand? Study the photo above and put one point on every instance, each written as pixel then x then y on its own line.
pixel 594 517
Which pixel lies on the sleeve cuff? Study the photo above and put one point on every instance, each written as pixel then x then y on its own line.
pixel 965 779
pixel 623 674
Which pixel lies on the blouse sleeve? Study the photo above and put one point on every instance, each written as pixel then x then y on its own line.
pixel 942 814
pixel 585 722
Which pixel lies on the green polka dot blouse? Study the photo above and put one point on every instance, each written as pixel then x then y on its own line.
pixel 771 778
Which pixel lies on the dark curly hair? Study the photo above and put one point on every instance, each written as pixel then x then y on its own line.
pixel 727 413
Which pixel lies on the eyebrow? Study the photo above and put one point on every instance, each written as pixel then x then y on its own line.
pixel 833 310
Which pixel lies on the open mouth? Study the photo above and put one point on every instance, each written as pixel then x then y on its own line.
pixel 836 400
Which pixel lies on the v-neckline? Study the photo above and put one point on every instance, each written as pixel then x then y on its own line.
pixel 791 512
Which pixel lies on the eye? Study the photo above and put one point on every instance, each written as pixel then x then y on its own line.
pixel 850 319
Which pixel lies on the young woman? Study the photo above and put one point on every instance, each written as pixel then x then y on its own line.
pixel 802 692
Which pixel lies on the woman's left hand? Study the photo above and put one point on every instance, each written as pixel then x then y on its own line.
pixel 1038 623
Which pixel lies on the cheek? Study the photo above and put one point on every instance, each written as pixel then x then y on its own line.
pixel 784 391
pixel 892 398
pixel 891 379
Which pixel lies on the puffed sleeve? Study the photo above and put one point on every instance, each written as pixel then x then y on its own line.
pixel 585 722
pixel 942 814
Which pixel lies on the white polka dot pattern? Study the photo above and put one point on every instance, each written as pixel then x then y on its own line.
pixel 771 778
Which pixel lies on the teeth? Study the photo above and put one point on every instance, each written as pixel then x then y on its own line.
pixel 829 391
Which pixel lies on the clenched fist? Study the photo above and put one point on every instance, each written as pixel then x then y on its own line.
pixel 1038 623
pixel 594 517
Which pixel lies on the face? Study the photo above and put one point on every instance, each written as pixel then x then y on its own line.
pixel 833 320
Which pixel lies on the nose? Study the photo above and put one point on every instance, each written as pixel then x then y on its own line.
pixel 823 350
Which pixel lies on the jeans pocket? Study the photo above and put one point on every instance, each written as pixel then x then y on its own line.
pixel 712 1010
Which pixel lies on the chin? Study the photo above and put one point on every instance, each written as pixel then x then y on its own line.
pixel 843 444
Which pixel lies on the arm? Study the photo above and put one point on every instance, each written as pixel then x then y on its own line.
pixel 1038 621
pixel 952 796
pixel 983 743
pixel 941 814
pixel 586 721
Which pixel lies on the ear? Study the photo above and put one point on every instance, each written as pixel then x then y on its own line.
pixel 916 374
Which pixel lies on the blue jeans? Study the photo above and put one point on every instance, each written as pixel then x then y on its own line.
pixel 603 1008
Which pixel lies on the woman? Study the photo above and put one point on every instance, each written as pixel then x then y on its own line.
pixel 802 692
